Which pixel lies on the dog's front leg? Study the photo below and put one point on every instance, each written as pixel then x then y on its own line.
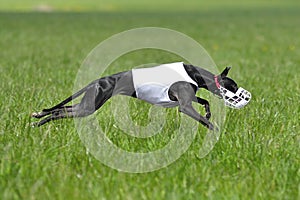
pixel 185 95
pixel 205 103
pixel 190 111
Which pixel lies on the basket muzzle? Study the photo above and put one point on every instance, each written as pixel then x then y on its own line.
pixel 235 100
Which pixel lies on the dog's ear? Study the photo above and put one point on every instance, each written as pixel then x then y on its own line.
pixel 225 72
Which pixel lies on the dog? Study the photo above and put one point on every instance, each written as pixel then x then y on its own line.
pixel 166 85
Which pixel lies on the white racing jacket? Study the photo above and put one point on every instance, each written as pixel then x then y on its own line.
pixel 152 84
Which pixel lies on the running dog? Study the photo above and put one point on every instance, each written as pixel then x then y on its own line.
pixel 167 85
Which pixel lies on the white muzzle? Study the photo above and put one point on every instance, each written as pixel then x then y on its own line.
pixel 235 100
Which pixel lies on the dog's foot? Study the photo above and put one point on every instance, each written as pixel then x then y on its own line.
pixel 212 127
pixel 37 114
pixel 208 115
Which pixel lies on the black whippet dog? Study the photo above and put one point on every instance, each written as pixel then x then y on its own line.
pixel 181 92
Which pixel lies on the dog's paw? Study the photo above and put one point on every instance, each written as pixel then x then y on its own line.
pixel 208 115
pixel 212 127
pixel 36 115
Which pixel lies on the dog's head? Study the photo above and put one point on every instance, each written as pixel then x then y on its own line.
pixel 226 82
pixel 233 96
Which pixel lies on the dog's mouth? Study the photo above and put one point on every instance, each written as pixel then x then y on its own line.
pixel 235 100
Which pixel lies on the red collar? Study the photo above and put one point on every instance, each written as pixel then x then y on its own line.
pixel 217 82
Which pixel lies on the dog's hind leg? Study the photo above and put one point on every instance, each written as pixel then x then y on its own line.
pixel 54 116
pixel 44 113
pixel 59 106
pixel 95 96
pixel 185 95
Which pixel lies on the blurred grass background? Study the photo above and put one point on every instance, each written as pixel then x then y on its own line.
pixel 141 5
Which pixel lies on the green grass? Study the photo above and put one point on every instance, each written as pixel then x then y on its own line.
pixel 137 5
pixel 257 156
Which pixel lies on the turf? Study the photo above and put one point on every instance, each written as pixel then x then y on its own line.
pixel 136 5
pixel 257 156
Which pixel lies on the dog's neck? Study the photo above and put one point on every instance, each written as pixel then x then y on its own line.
pixel 202 77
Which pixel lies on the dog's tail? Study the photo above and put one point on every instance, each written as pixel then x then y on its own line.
pixel 67 100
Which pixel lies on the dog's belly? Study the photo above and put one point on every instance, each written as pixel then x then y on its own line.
pixel 155 94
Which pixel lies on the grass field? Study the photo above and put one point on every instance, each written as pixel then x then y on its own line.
pixel 137 5
pixel 257 156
